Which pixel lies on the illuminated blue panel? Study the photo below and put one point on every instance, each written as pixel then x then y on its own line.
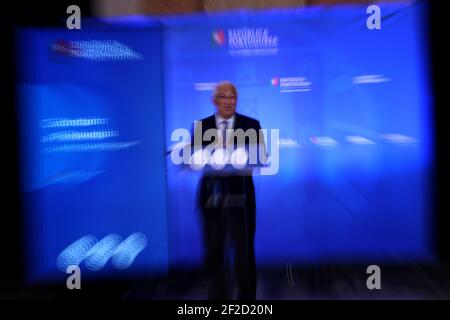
pixel 354 112
pixel 92 149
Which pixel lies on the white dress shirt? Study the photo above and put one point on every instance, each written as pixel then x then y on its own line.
pixel 220 125
pixel 230 121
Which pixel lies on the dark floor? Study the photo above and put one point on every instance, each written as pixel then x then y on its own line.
pixel 315 283
pixel 330 282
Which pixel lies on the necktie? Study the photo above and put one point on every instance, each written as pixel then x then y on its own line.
pixel 224 127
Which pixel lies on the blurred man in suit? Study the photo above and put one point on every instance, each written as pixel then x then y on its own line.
pixel 227 204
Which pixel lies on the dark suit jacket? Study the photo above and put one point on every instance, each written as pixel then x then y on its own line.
pixel 232 186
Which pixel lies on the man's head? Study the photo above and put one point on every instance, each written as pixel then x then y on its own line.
pixel 224 98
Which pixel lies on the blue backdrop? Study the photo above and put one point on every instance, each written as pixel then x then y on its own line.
pixel 352 105
pixel 353 109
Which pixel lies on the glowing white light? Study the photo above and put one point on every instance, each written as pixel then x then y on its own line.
pixel 96 254
pixel 198 160
pixel 288 143
pixel 218 159
pixel 239 158
pixel 370 78
pixel 359 140
pixel 324 141
pixel 399 138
